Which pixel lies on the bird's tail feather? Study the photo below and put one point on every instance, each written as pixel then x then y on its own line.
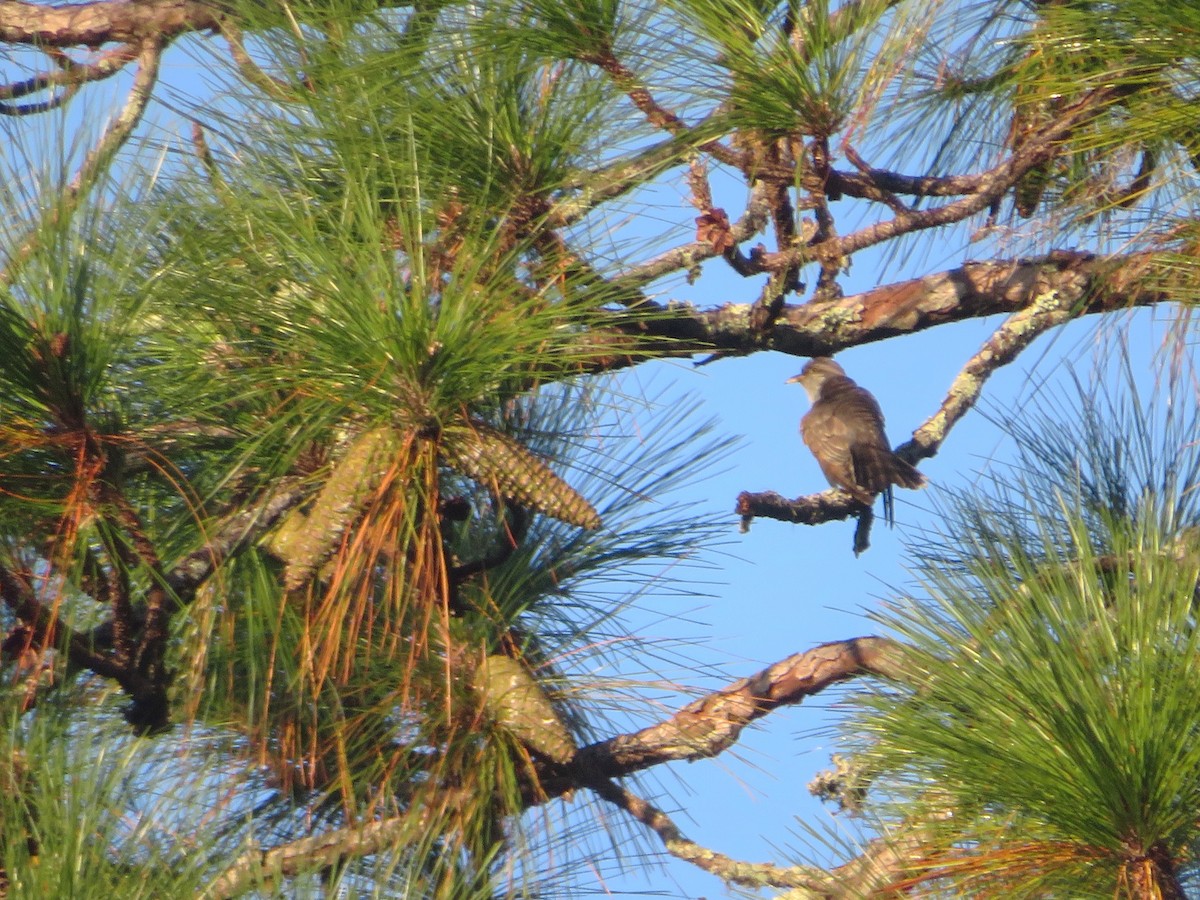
pixel 905 475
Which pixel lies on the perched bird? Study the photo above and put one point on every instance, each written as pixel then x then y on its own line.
pixel 844 430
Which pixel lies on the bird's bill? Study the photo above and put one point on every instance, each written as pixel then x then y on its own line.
pixel 795 379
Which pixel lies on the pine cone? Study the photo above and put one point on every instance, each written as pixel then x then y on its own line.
pixel 502 463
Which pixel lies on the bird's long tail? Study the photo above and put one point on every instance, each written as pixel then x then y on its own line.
pixel 905 475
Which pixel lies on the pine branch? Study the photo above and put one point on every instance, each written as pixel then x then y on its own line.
pixel 812 881
pixel 99 157
pixel 102 22
pixel 712 724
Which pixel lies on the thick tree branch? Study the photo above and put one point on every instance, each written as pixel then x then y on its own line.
pixel 1087 283
pixel 703 728
pixel 97 23
pixel 712 724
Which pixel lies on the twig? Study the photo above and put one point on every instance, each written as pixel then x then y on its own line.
pixel 71 75
pixel 732 871
pixel 275 88
pixel 752 221
pixel 118 132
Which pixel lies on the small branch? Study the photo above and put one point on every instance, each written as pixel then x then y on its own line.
pixel 872 190
pixel 118 132
pixel 273 87
pixel 697 178
pixel 237 532
pixel 813 509
pixel 884 863
pixel 729 870
pixel 149 57
pixel 15 110
pixel 590 190
pixel 71 75
pixel 766 309
pixel 656 114
pixel 1048 309
pixel 991 186
pixel 121 561
pixel 872 184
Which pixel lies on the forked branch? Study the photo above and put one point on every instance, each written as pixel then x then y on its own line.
pixel 98 158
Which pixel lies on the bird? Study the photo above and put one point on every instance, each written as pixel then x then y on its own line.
pixel 844 431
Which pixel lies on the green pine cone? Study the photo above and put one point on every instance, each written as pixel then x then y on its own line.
pixel 512 696
pixel 499 461
pixel 304 542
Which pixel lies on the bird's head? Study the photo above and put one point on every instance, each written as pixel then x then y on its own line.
pixel 818 370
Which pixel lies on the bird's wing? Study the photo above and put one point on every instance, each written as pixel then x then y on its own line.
pixel 870 452
pixel 828 434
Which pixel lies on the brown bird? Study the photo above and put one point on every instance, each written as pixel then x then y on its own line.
pixel 844 431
